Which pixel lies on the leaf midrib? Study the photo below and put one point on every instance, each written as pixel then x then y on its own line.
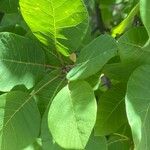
pixel 74 116
pixel 28 63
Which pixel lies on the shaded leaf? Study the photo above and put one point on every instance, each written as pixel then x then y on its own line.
pixel 97 143
pixel 9 6
pixel 48 88
pixel 131 47
pixel 111 111
pixel 118 72
pixel 19 121
pixel 119 142
pixel 17 29
pixel 14 19
pixel 21 61
pixel 37 145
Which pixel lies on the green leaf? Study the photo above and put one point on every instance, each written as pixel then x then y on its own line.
pixel 13 19
pixel 45 96
pixel 97 143
pixel 119 142
pixel 145 13
pixel 14 23
pixel 9 6
pixel 72 115
pixel 19 121
pixel 37 145
pixel 20 88
pixel 93 57
pixel 94 81
pixel 137 106
pixel 131 47
pixel 48 88
pixel 10 19
pixel 21 61
pixel 63 24
pixel 17 29
pixel 121 139
pixel 47 139
pixel 111 111
pixel 118 72
pixel 119 29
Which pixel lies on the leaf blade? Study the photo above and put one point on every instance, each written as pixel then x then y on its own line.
pixel 65 22
pixel 137 106
pixel 17 119
pixel 71 126
pixel 18 66
pixel 96 54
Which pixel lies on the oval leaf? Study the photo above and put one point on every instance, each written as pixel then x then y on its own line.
pixel 138 106
pixel 52 84
pixel 63 24
pixel 72 115
pixel 93 57
pixel 19 121
pixel 21 61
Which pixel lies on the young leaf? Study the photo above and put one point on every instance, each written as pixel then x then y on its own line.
pixel 63 24
pixel 138 106
pixel 93 57
pixel 19 121
pixel 21 61
pixel 119 29
pixel 72 115
pixel 111 111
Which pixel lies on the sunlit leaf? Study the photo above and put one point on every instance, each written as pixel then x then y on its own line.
pixel 119 29
pixel 62 26
pixel 72 115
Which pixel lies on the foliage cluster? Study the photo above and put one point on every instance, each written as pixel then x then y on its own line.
pixel 74 74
